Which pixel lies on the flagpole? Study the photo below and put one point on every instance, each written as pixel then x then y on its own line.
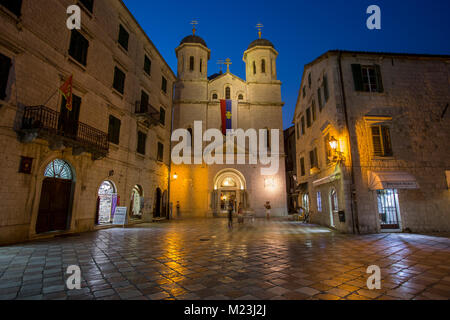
pixel 56 91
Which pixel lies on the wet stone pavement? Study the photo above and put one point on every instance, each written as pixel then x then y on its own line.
pixel 202 259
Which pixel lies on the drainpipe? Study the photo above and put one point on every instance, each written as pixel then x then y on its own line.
pixel 170 155
pixel 353 202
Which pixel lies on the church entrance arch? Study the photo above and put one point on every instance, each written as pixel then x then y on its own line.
pixel 229 184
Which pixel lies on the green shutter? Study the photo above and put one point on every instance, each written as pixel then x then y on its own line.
pixel 326 93
pixel 319 98
pixel 379 78
pixel 357 77
pixel 377 141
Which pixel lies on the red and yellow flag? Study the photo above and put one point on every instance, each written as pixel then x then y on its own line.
pixel 66 91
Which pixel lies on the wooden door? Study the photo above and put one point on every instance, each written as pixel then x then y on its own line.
pixel 54 205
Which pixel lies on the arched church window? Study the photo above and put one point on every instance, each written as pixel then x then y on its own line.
pixel 214 96
pixel 201 63
pixel 263 66
pixel 58 169
pixel 228 93
pixel 191 63
pixel 240 97
pixel 254 67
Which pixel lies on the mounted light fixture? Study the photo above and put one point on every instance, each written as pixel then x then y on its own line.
pixel 333 144
pixel 175 176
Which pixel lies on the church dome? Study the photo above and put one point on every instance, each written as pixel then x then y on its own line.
pixel 261 42
pixel 193 39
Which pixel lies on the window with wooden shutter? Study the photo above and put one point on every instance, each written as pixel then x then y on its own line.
pixel 14 6
pixel 5 66
pixel 119 80
pixel 303 125
pixel 308 117
pixel 142 138
pixel 381 141
pixel 144 102
pixel 309 81
pixel 302 167
pixel 326 93
pixel 78 47
pixel 164 84
pixel 124 37
pixel 313 160
pixel 227 93
pixel 114 130
pixel 313 110
pixel 357 77
pixel 162 116
pixel 367 78
pixel 160 152
pixel 319 99
pixel 147 65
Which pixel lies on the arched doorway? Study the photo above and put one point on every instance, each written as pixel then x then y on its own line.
pixel 106 202
pixel 136 206
pixel 229 184
pixel 334 205
pixel 157 207
pixel 56 197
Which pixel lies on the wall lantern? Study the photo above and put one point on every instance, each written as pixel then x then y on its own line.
pixel 333 144
pixel 175 176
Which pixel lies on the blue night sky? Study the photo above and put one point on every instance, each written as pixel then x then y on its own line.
pixel 300 30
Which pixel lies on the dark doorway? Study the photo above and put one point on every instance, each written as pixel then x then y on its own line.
pixel 157 209
pixel 54 205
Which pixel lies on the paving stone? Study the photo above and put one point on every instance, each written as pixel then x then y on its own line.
pixel 271 260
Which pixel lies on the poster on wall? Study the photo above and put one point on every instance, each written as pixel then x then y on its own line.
pixel 120 216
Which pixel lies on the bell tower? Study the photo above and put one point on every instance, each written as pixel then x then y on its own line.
pixel 193 56
pixel 260 60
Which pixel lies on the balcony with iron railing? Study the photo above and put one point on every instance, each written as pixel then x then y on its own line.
pixel 45 123
pixel 146 113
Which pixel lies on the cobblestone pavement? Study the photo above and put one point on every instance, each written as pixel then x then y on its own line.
pixel 202 259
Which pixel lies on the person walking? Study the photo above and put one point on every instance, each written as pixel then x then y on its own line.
pixel 178 209
pixel 230 213
pixel 268 208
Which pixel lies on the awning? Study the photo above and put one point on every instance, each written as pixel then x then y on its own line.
pixel 391 180
pixel 333 177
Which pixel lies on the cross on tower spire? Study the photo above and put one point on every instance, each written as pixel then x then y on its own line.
pixel 259 26
pixel 228 62
pixel 194 23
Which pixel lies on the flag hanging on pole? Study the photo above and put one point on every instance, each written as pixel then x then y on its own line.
pixel 66 91
pixel 229 110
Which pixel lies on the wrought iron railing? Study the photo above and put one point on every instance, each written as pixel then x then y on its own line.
pixel 48 121
pixel 148 110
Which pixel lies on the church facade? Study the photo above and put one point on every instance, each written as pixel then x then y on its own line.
pixel 204 190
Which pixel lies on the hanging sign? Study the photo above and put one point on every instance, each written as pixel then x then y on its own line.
pixel 120 216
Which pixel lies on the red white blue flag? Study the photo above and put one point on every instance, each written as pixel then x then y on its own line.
pixel 229 112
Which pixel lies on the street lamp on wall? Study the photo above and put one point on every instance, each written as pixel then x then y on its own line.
pixel 175 176
pixel 336 154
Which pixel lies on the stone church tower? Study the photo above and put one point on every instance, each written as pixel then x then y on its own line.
pixel 203 190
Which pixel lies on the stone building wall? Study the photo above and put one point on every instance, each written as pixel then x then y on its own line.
pixel 415 94
pixel 38 42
